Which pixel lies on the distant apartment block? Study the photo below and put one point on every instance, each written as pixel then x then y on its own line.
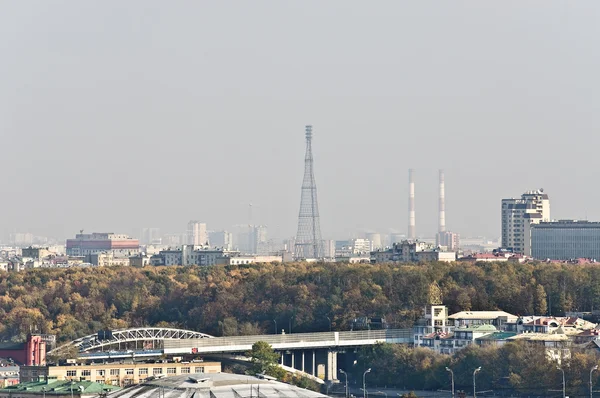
pixel 410 252
pixel 196 233
pixel 204 256
pixel 221 239
pixel 449 240
pixel 151 236
pixel 533 207
pixel 563 240
pixel 348 248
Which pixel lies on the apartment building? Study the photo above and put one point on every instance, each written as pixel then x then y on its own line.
pixel 533 207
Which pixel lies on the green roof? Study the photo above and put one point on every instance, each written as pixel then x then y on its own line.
pixel 498 336
pixel 61 387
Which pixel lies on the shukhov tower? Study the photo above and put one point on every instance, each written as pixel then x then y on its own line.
pixel 308 239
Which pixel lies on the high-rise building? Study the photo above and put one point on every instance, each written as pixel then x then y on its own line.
pixel 532 208
pixel 150 236
pixel 260 240
pixel 221 239
pixel 196 233
pixel 309 244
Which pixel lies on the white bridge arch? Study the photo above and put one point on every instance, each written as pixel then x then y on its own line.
pixel 92 343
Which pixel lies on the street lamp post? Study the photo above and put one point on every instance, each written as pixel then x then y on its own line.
pixel 346 390
pixel 329 319
pixel 72 388
pixel 365 383
pixel 452 378
pixel 275 326
pixel 474 389
pixel 564 386
pixel 591 383
pixel 44 392
pixel 382 393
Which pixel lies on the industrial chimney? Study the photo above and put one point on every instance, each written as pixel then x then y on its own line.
pixel 411 205
pixel 442 204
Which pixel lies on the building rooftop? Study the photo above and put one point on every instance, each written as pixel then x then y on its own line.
pixel 207 385
pixel 481 315
pixel 540 337
pixel 60 387
pixel 476 328
pixel 498 336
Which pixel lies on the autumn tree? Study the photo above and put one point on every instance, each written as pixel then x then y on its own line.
pixel 264 360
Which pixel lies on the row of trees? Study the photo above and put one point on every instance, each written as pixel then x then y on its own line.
pixel 517 367
pixel 250 299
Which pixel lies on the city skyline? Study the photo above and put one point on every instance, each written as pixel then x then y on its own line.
pixel 124 128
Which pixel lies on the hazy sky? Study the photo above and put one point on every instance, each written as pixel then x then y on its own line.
pixel 116 115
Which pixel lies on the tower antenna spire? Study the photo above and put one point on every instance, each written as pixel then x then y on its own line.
pixel 309 244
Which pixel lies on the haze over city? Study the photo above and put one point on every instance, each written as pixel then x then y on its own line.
pixel 143 114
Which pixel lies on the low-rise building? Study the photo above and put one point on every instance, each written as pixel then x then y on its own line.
pixel 108 259
pixel 434 320
pixel 496 339
pixel 9 375
pixel 499 319
pixel 56 388
pixel 251 260
pixel 557 345
pixel 449 343
pixel 411 252
pixel 117 374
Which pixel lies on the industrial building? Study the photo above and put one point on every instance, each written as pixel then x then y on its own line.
pixel 563 240
pixel 221 385
pixel 101 242
pixel 116 374
pixel 533 207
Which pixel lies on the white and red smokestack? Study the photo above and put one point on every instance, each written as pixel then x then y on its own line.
pixel 411 205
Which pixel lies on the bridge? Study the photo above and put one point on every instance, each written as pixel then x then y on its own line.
pixel 312 353
pixel 92 342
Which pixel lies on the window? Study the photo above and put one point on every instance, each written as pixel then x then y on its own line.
pixel 128 371
pixel 143 371
pixel 100 372
pixel 71 373
pixel 170 371
pixel 86 372
pixel 157 371
pixel 114 372
pixel 185 370
pixel 199 369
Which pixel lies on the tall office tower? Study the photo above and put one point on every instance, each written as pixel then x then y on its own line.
pixel 309 244
pixel 260 240
pixel 196 233
pixel 412 235
pixel 532 208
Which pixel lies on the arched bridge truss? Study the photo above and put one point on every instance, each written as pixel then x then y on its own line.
pixel 92 343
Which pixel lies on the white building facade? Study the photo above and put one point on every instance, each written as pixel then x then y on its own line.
pixel 533 207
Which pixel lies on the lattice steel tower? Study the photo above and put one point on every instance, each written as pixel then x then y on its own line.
pixel 309 244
